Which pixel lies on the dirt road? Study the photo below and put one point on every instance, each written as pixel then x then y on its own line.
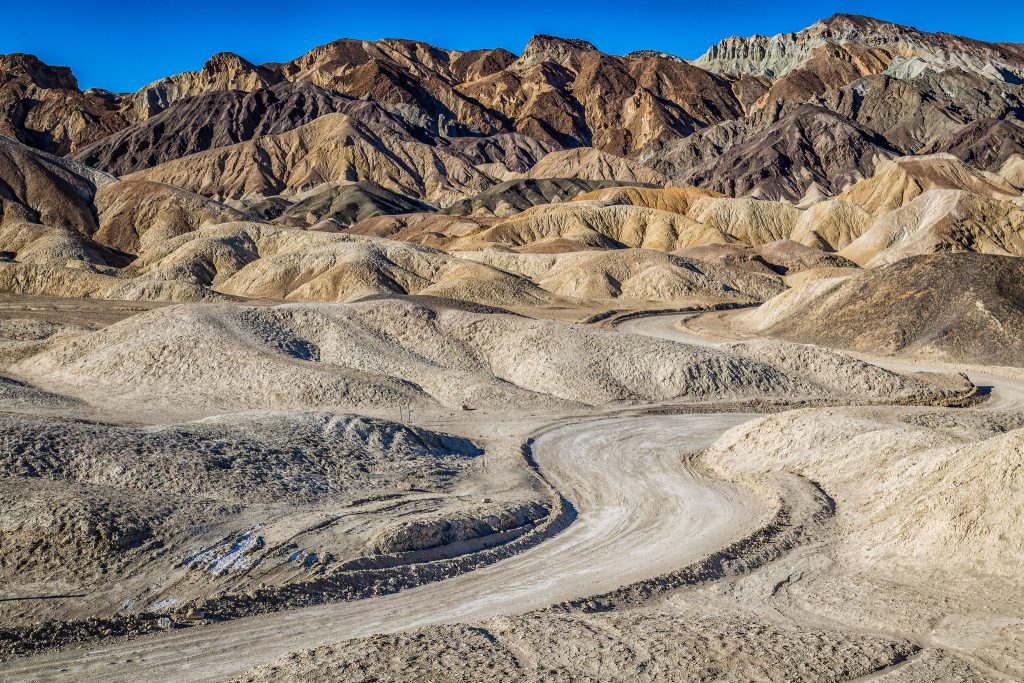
pixel 641 512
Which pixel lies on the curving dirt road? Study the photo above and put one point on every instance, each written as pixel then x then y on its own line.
pixel 641 512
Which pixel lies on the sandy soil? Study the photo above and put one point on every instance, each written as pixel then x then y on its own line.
pixel 668 555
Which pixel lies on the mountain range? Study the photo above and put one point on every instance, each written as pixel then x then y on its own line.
pixel 854 135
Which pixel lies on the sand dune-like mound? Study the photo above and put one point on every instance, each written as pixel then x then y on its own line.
pixel 431 229
pixel 256 261
pixel 571 647
pixel 310 155
pixel 750 221
pixel 897 182
pixel 730 255
pixel 587 163
pixel 83 281
pixel 511 197
pixel 633 274
pixel 957 307
pixel 939 221
pixel 342 204
pixel 32 243
pixel 831 224
pixel 135 211
pixel 235 500
pixel 788 257
pixel 673 199
pixel 598 225
pixel 913 488
pixel 378 354
pixel 1012 171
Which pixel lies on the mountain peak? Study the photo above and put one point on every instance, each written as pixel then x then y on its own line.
pixel 548 48
pixel 228 61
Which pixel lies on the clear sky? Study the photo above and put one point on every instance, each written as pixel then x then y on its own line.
pixel 122 46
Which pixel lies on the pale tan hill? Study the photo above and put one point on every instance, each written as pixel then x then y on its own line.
pixel 788 257
pixel 638 275
pixel 595 225
pixel 940 221
pixel 587 163
pixel 82 281
pixel 134 212
pixel 831 224
pixel 375 355
pixel 913 489
pixel 258 261
pixel 898 181
pixel 620 217
pixel 730 255
pixel 673 199
pixel 963 307
pixel 750 221
pixel 1012 171
pixel 313 154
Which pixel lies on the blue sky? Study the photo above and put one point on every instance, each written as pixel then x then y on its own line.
pixel 124 45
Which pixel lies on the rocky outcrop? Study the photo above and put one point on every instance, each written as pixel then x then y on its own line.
pixel 42 106
pixel 213 119
pixel 910 51
pixel 223 71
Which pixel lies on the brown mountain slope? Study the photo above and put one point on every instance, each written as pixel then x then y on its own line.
pixel 212 119
pixel 39 188
pixel 569 93
pixel 984 144
pixel 813 147
pixel 311 155
pixel 912 112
